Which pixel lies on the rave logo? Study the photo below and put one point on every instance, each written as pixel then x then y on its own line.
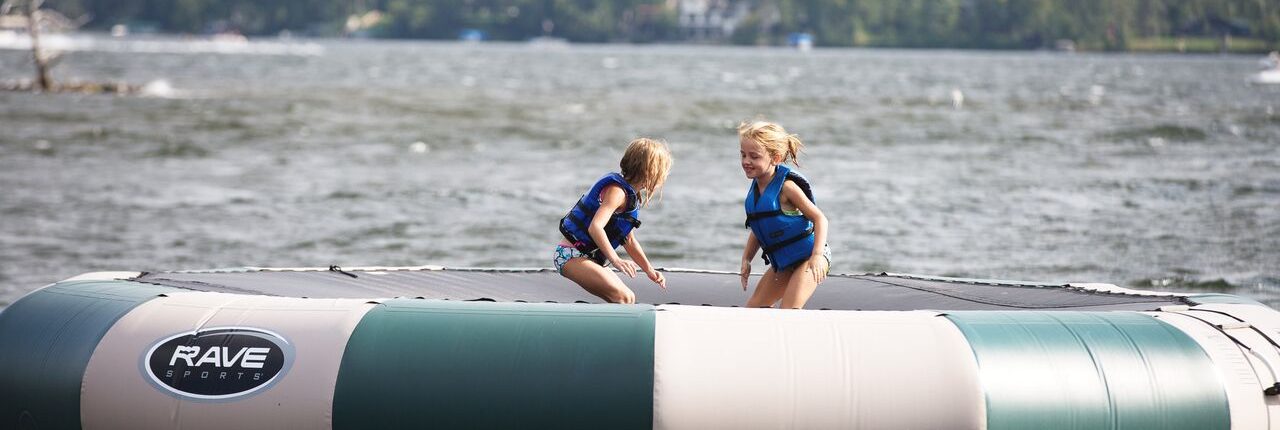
pixel 219 363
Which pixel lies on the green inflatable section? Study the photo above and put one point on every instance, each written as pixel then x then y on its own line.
pixel 1092 370
pixel 46 339
pixel 443 364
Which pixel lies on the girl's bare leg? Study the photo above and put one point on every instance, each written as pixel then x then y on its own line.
pixel 597 280
pixel 799 288
pixel 769 290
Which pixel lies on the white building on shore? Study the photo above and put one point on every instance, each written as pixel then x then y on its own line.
pixel 710 20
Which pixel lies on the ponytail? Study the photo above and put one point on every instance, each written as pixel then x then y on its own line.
pixel 793 149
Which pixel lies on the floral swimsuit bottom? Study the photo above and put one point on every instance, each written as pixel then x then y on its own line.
pixel 563 253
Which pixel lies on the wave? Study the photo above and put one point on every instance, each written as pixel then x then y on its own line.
pixel 159 88
pixel 1162 132
pixel 1210 283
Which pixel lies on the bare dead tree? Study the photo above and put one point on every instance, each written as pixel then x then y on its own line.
pixel 33 26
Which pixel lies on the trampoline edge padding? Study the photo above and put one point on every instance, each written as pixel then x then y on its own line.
pixel 79 353
pixel 120 393
pixel 767 368
pixel 1092 370
pixel 47 338
pixel 434 363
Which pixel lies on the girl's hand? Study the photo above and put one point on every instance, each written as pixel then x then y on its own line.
pixel 745 272
pixel 657 278
pixel 816 265
pixel 626 266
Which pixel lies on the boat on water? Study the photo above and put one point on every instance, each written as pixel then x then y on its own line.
pixel 800 41
pixel 381 347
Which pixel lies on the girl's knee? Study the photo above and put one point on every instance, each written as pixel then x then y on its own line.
pixel 621 295
pixel 628 296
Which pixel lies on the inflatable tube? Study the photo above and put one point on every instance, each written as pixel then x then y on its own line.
pixel 297 348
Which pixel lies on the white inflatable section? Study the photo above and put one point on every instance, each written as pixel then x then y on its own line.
pixel 1267 355
pixel 103 276
pixel 1236 368
pixel 762 368
pixel 115 394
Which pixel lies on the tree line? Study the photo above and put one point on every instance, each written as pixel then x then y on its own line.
pixel 1000 24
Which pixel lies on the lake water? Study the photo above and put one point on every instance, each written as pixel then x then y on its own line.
pixel 1149 171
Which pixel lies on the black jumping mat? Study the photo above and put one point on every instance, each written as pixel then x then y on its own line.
pixel 844 292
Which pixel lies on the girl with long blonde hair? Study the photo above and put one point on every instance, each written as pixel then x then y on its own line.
pixel 606 217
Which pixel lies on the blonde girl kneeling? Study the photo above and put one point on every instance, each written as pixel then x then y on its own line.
pixel 608 215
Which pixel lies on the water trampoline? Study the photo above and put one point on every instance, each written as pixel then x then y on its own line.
pixel 386 347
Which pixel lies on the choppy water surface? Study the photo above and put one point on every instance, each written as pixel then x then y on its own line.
pixel 1141 171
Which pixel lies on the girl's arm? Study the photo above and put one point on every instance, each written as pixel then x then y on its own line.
pixel 748 254
pixel 637 253
pixel 793 194
pixel 611 198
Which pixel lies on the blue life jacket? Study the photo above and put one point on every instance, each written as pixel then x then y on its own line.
pixel 785 239
pixel 574 225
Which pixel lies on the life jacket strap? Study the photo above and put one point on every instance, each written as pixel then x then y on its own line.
pixel 790 240
pixel 611 230
pixel 579 222
pixel 762 214
pixel 635 222
pixel 586 248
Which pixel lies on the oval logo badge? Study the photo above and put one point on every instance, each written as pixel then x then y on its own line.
pixel 219 363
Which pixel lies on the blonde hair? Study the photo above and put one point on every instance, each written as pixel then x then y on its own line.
pixel 773 138
pixel 645 165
